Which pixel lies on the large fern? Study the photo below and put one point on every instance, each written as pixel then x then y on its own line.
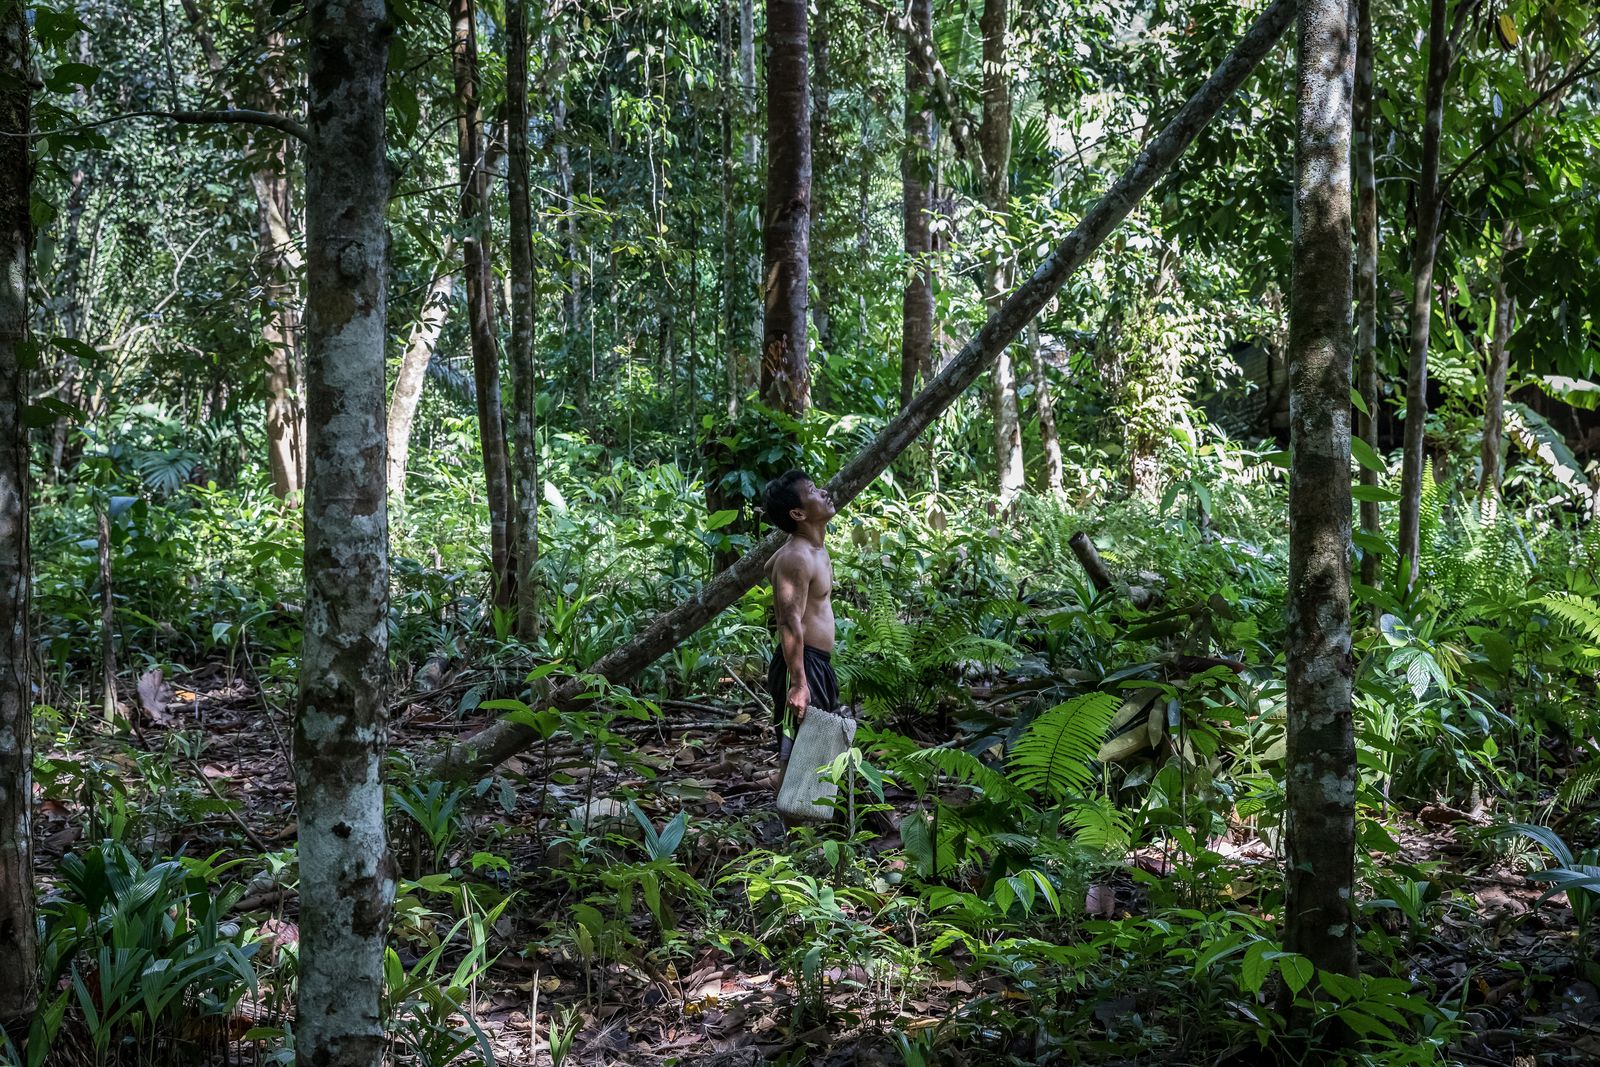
pixel 963 767
pixel 1055 754
pixel 1579 612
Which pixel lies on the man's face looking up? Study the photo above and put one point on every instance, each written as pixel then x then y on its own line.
pixel 815 504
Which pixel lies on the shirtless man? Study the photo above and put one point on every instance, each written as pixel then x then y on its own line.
pixel 801 674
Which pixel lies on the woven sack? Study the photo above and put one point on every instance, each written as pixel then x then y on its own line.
pixel 823 737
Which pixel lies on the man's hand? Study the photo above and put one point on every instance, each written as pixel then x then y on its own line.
pixel 799 700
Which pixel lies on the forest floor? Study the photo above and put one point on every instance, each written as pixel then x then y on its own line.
pixel 1498 952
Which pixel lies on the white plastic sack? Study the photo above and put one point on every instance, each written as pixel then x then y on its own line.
pixel 823 737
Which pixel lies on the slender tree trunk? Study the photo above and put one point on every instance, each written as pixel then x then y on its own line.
pixel 278 266
pixel 498 742
pixel 524 368
pixel 785 364
pixel 916 197
pixel 476 264
pixel 995 137
pixel 1424 253
pixel 1494 403
pixel 732 279
pixel 1055 470
pixel 346 876
pixel 108 616
pixel 821 88
pixel 1320 778
pixel 19 961
pixel 1366 278
pixel 750 292
pixel 419 350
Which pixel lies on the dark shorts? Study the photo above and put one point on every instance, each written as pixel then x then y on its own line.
pixel 824 685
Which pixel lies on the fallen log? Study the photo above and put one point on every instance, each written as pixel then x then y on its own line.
pixel 501 740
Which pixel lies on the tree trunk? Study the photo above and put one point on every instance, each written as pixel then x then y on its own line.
pixel 524 369
pixel 1424 252
pixel 19 963
pixel 733 280
pixel 108 615
pixel 994 135
pixel 750 292
pixel 821 307
pixel 916 197
pixel 786 237
pixel 619 666
pixel 1320 777
pixel 1494 403
pixel 1054 469
pixel 346 876
pixel 1366 278
pixel 476 264
pixel 278 266
pixel 407 394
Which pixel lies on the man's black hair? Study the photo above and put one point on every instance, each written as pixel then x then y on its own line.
pixel 782 496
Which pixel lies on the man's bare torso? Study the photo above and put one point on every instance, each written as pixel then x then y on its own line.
pixel 810 566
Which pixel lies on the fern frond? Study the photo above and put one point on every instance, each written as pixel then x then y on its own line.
pixel 1580 785
pixel 1054 754
pixel 964 767
pixel 1100 826
pixel 1579 612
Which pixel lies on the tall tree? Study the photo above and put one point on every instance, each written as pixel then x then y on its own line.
pixel 345 870
pixel 733 280
pixel 1049 438
pixel 994 134
pixel 422 342
pixel 1498 365
pixel 1366 358
pixel 476 264
pixel 524 370
pixel 822 142
pixel 503 739
pixel 1320 780
pixel 786 258
pixel 750 294
pixel 1424 253
pixel 916 200
pixel 19 962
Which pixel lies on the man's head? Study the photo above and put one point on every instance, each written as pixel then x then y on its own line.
pixel 792 498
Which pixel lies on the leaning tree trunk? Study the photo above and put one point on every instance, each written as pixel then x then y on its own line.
pixel 994 134
pixel 1320 776
pixel 504 739
pixel 524 371
pixel 1366 279
pixel 407 393
pixel 346 877
pixel 786 236
pixel 476 264
pixel 916 198
pixel 1424 252
pixel 19 961
pixel 1494 401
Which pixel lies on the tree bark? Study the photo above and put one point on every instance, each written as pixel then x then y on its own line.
pixel 916 198
pixel 476 264
pixel 994 134
pixel 785 364
pixel 1424 252
pixel 413 373
pixel 1494 404
pixel 821 307
pixel 524 368
pixel 750 292
pixel 19 961
pixel 504 739
pixel 346 877
pixel 1054 468
pixel 1366 278
pixel 1320 774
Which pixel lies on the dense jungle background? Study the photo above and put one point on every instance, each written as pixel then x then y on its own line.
pixel 387 390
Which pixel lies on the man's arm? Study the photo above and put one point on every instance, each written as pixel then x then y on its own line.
pixel 791 588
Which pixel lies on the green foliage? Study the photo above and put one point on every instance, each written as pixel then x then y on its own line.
pixel 1054 756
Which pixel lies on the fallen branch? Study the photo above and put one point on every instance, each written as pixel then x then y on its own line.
pixel 503 739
